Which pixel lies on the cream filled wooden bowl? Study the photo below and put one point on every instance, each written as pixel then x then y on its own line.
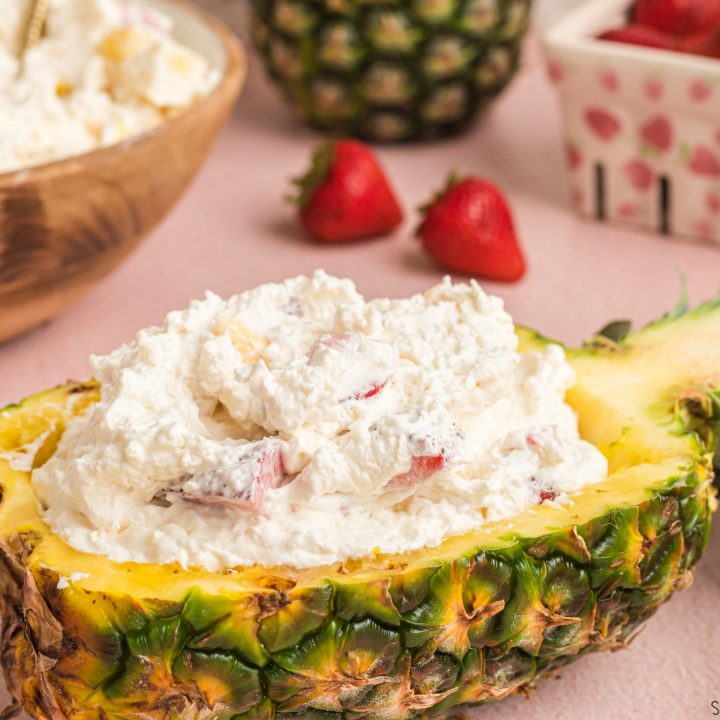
pixel 67 224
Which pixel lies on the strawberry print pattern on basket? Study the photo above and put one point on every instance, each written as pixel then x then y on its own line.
pixel 642 137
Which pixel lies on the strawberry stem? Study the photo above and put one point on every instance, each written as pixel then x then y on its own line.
pixel 452 179
pixel 322 159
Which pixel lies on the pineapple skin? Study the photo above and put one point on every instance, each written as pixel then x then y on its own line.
pixel 391 637
pixel 390 70
pixel 410 642
pixel 469 631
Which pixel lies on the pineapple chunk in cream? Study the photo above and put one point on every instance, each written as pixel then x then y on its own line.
pixel 297 423
pixel 104 71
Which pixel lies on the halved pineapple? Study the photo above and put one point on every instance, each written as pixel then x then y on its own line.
pixel 472 620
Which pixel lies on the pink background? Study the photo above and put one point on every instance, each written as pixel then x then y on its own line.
pixel 232 231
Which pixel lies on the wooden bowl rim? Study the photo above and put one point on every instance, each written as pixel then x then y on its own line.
pixel 230 83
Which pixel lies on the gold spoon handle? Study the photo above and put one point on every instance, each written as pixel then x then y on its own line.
pixel 35 23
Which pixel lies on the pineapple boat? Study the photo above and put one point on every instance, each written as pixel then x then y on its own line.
pixel 297 504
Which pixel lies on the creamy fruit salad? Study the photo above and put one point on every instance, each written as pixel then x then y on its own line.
pixel 299 424
pixel 104 71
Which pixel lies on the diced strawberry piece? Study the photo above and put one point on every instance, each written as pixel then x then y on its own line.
pixel 336 342
pixel 264 470
pixel 422 468
pixel 270 474
pixel 547 496
pixel 340 343
pixel 374 389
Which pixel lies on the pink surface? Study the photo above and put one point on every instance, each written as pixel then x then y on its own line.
pixel 232 231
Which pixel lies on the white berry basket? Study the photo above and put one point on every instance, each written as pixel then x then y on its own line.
pixel 642 126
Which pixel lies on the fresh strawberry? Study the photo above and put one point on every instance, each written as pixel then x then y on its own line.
pixel 640 35
pixel 705 42
pixel 346 195
pixel 469 228
pixel 711 48
pixel 678 17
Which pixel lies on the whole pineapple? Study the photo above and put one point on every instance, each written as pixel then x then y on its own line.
pixel 390 70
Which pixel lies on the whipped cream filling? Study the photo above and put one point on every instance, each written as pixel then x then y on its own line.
pixel 297 423
pixel 104 71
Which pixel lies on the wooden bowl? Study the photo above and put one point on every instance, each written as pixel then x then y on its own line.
pixel 65 225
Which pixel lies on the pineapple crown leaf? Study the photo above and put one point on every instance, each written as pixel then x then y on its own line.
pixel 616 331
pixel 611 336
pixel 323 157
pixel 683 306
